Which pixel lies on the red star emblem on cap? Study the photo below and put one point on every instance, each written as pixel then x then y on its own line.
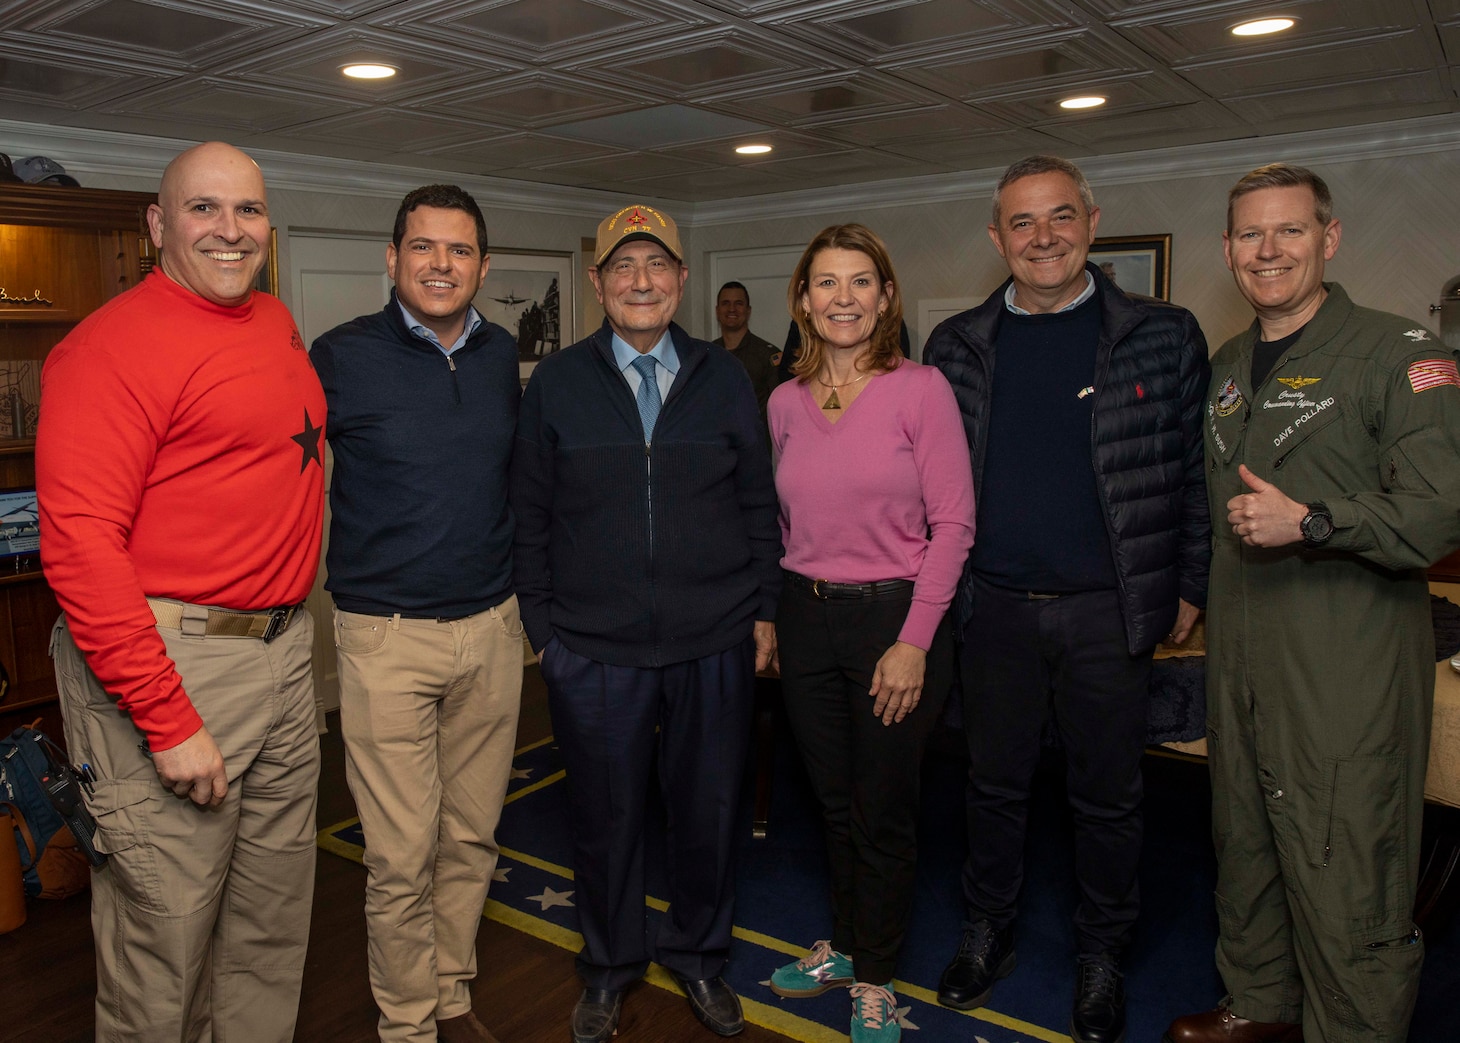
pixel 635 219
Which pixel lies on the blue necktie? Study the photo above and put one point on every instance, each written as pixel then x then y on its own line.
pixel 649 400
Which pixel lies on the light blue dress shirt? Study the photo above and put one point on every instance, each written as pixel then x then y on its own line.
pixel 1088 292
pixel 662 353
pixel 473 320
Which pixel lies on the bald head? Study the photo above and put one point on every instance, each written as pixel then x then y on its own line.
pixel 211 222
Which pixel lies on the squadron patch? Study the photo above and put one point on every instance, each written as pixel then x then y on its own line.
pixel 776 358
pixel 1433 373
pixel 1229 398
pixel 1298 383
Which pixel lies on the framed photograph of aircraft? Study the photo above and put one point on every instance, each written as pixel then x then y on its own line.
pixel 1138 263
pixel 532 295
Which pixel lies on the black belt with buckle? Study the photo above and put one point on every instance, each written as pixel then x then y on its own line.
pixel 825 590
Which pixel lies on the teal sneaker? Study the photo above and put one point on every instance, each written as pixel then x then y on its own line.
pixel 874 1014
pixel 820 969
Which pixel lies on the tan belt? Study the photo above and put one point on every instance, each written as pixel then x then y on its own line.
pixel 200 621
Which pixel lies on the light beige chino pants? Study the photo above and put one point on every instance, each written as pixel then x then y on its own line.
pixel 428 710
pixel 201 915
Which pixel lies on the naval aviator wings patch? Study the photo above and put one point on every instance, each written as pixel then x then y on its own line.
pixel 1433 373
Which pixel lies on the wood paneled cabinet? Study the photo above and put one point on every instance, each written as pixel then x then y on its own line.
pixel 63 253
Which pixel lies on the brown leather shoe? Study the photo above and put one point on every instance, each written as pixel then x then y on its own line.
pixel 1222 1026
pixel 464 1029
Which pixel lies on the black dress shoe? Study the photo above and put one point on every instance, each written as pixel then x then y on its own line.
pixel 715 1004
pixel 1099 1014
pixel 595 1018
pixel 985 956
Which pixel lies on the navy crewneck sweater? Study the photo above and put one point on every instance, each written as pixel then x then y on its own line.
pixel 1040 523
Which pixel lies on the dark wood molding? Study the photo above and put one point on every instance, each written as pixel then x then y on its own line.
pixel 1446 570
pixel 58 205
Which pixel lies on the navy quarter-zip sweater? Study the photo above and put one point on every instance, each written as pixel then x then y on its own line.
pixel 422 444
pixel 638 555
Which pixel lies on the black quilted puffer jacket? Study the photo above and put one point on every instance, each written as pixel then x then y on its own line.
pixel 1145 443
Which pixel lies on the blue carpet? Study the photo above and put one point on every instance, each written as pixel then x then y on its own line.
pixel 781 906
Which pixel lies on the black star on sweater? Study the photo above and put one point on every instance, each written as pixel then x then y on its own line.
pixel 309 440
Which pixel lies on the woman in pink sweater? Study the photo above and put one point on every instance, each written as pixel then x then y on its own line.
pixel 877 518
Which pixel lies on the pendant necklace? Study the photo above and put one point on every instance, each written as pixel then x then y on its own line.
pixel 832 402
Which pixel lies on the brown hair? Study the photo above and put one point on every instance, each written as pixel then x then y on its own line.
pixel 886 350
pixel 1284 175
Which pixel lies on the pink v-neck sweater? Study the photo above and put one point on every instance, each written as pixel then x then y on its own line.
pixel 860 497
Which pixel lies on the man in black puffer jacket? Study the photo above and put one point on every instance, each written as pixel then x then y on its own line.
pixel 1093 544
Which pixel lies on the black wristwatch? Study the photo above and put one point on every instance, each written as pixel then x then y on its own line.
pixel 1316 526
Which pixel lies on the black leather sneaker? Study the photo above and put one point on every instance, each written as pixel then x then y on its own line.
pixel 985 956
pixel 1099 1013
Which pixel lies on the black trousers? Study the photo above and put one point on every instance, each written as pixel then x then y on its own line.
pixel 609 722
pixel 1028 661
pixel 866 775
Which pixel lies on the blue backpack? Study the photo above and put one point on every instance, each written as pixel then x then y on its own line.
pixel 30 764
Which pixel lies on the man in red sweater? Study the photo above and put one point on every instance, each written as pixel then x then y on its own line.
pixel 179 462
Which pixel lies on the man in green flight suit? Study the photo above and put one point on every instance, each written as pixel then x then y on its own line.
pixel 1333 449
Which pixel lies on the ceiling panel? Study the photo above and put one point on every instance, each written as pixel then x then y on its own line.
pixel 526 100
pixel 1207 35
pixel 829 98
pixel 536 31
pixel 227 106
pixel 388 130
pixel 936 120
pixel 900 28
pixel 1054 63
pixel 1404 51
pixel 979 151
pixel 654 93
pixel 313 64
pixel 516 150
pixel 181 32
pixel 1368 97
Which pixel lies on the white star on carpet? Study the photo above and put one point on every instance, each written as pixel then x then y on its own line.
pixel 499 875
pixel 902 1013
pixel 550 898
pixel 521 773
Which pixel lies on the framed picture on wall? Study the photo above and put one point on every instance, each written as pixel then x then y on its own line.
pixel 532 294
pixel 1137 263
pixel 268 280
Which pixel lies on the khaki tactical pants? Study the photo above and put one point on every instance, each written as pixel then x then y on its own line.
pixel 201 915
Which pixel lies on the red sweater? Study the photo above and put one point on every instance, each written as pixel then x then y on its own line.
pixel 179 455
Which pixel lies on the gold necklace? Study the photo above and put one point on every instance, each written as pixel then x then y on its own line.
pixel 832 402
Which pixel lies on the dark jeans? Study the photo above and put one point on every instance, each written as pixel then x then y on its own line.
pixel 1028 661
pixel 605 719
pixel 866 775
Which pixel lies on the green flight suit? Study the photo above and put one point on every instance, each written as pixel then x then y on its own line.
pixel 1320 667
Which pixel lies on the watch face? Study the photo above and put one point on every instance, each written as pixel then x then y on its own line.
pixel 1317 527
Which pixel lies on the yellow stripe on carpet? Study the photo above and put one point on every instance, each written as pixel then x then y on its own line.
pixel 757 1013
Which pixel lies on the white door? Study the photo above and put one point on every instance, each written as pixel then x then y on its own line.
pixel 765 273
pixel 335 278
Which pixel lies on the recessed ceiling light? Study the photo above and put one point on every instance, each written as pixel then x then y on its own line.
pixel 369 71
pixel 1263 26
pixel 1089 101
pixel 752 150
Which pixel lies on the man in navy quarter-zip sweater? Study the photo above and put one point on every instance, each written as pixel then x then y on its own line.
pixel 423 399
pixel 647 560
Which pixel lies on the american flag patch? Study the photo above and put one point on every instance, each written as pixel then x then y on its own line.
pixel 1433 373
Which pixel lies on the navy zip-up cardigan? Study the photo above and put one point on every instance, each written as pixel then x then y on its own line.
pixel 638 555
pixel 422 441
